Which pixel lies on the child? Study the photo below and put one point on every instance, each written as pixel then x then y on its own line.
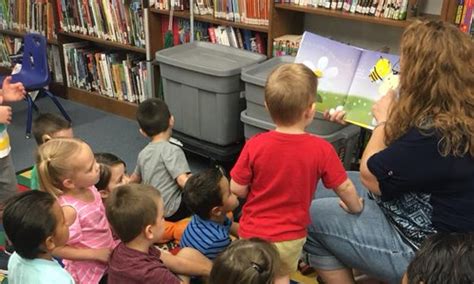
pixel 46 127
pixel 67 169
pixel 135 212
pixel 162 164
pixel 34 223
pixel 278 171
pixel 252 261
pixel 443 258
pixel 8 93
pixel 208 196
pixel 112 173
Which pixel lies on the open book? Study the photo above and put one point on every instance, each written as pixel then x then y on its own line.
pixel 350 78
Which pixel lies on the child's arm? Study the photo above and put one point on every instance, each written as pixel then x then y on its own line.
pixel 135 178
pixel 182 179
pixel 187 262
pixel 71 253
pixel 350 200
pixel 238 189
pixel 234 228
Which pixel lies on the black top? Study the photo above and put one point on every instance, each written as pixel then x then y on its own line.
pixel 422 191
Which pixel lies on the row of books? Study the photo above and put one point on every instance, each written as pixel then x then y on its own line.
pixel 286 45
pixel 114 74
pixel 11 45
pixel 28 16
pixel 392 9
pixel 253 12
pixel 464 17
pixel 225 35
pixel 114 20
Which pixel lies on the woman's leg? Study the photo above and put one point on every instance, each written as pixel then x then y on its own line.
pixel 338 241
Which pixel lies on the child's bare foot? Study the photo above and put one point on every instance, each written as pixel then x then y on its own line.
pixel 5 114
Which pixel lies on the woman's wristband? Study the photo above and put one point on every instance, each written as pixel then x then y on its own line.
pixel 379 124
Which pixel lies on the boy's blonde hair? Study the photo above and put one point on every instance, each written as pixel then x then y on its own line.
pixel 130 208
pixel 55 162
pixel 289 91
pixel 436 86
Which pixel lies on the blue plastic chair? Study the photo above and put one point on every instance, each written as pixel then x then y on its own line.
pixel 35 75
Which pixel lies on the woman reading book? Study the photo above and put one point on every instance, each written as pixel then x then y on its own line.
pixel 417 168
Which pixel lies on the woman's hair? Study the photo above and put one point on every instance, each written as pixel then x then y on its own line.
pixel 55 163
pixel 444 258
pixel 252 261
pixel 436 87
pixel 29 220
pixel 106 160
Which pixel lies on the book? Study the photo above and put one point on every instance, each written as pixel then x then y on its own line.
pixel 350 78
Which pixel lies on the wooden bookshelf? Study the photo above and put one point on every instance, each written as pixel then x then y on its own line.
pixel 212 20
pixel 283 19
pixel 350 16
pixel 103 42
pixel 22 34
pixel 108 104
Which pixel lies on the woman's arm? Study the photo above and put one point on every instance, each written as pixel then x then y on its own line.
pixel 376 142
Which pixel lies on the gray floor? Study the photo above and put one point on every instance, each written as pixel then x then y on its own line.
pixel 104 132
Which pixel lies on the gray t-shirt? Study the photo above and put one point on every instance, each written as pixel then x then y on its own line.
pixel 159 164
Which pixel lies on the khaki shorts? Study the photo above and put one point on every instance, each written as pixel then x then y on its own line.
pixel 290 252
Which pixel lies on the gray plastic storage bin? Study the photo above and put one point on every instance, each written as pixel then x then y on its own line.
pixel 255 78
pixel 344 140
pixel 201 84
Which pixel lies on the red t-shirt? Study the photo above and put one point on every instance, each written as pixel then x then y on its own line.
pixel 282 171
pixel 130 266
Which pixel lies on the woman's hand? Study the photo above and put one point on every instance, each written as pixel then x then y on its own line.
pixel 381 108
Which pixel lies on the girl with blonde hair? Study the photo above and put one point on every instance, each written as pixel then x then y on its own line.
pixel 68 170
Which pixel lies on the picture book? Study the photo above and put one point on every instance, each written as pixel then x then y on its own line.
pixel 350 78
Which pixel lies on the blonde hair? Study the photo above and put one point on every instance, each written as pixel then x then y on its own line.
pixel 247 261
pixel 289 91
pixel 436 87
pixel 54 161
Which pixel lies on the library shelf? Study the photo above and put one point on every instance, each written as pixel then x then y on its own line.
pixel 104 42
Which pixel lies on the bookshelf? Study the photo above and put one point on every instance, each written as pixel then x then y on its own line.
pixel 282 18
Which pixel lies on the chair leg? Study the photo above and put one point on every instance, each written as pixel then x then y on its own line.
pixel 29 116
pixel 58 104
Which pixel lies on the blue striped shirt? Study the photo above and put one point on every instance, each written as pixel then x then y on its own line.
pixel 208 237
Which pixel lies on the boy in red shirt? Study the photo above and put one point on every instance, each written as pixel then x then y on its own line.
pixel 278 171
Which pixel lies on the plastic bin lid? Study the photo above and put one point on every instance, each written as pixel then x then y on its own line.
pixel 258 74
pixel 208 58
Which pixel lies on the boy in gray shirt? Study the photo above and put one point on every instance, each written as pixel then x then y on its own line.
pixel 161 164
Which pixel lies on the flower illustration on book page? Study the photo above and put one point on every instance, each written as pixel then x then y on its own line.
pixel 322 71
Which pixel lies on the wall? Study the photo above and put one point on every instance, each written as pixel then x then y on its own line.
pixel 366 35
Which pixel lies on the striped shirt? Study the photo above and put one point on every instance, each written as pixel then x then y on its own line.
pixel 90 230
pixel 208 237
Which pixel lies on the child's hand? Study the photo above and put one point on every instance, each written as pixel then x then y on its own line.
pixel 12 92
pixel 335 116
pixel 344 206
pixel 5 114
pixel 102 254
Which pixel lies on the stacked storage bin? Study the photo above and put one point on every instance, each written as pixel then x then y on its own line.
pixel 256 119
pixel 203 90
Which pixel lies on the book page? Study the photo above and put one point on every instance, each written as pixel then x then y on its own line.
pixel 334 63
pixel 376 74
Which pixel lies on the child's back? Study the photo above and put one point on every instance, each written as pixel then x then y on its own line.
pixel 278 171
pixel 161 164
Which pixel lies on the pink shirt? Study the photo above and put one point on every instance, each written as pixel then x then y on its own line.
pixel 90 230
